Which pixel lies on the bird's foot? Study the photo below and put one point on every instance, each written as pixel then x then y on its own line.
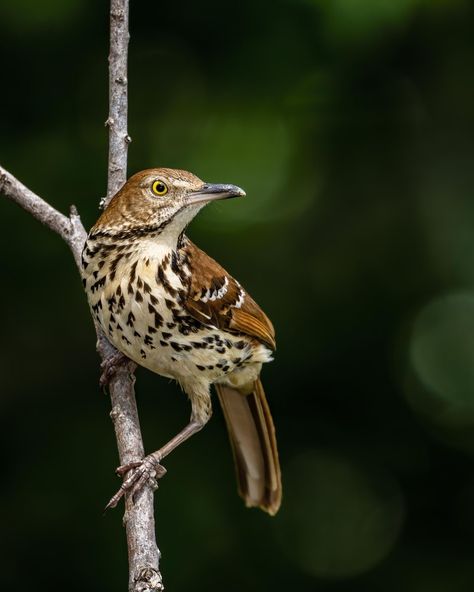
pixel 110 366
pixel 143 472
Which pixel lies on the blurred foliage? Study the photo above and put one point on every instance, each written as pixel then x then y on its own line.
pixel 351 126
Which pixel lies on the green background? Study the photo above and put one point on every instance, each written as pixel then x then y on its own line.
pixel 350 124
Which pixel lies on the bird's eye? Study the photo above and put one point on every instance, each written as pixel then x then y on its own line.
pixel 159 188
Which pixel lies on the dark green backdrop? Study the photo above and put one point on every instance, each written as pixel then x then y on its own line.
pixel 351 127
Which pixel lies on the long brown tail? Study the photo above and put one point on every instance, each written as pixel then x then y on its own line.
pixel 252 437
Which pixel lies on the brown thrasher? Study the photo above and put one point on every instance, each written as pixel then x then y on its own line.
pixel 166 305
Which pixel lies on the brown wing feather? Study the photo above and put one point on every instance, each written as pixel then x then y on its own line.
pixel 217 299
pixel 246 323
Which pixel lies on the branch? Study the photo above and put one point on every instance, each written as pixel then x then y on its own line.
pixel 118 98
pixel 69 229
pixel 143 553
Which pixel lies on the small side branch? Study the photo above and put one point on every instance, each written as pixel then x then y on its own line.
pixel 69 229
pixel 32 203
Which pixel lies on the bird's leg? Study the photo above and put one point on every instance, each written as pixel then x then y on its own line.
pixel 150 468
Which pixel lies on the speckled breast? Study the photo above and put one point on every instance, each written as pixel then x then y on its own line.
pixel 135 295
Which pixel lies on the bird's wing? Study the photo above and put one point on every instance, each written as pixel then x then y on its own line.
pixel 216 298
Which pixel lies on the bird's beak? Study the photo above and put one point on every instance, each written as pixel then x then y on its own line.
pixel 213 191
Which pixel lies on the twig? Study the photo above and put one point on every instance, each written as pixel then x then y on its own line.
pixel 143 553
pixel 69 229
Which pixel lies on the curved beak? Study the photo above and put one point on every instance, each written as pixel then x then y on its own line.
pixel 214 191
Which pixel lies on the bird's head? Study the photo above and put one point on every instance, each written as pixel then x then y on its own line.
pixel 159 201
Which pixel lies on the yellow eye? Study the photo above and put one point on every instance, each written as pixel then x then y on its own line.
pixel 159 188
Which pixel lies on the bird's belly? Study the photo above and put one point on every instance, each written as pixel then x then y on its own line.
pixel 156 332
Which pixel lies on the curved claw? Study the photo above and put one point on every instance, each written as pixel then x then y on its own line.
pixel 110 366
pixel 122 470
pixel 142 472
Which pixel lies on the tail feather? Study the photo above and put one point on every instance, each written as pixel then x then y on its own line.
pixel 253 442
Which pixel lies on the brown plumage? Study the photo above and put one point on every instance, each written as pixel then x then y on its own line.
pixel 252 438
pixel 249 318
pixel 168 306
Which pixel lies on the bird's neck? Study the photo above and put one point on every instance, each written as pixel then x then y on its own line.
pixel 164 234
pixel 125 246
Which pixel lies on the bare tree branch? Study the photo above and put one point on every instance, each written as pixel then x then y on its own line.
pixel 143 553
pixel 118 97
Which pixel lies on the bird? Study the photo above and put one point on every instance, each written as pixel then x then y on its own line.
pixel 168 306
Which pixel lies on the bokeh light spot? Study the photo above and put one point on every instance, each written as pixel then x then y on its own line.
pixel 442 348
pixel 341 519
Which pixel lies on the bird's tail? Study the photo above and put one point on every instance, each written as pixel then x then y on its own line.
pixel 252 437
